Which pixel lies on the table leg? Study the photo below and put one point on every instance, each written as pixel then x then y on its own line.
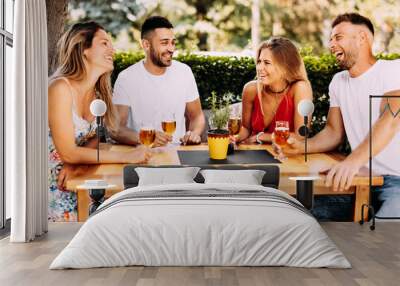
pixel 305 193
pixel 362 197
pixel 83 204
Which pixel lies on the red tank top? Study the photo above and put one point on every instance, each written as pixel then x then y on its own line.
pixel 285 112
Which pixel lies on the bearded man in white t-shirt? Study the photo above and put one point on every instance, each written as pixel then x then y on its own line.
pixel 158 88
pixel 351 42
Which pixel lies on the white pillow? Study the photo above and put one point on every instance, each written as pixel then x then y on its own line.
pixel 249 177
pixel 164 176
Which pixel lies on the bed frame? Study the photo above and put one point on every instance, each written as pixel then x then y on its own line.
pixel 270 179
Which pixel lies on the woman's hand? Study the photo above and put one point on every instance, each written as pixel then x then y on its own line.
pixel 67 172
pixel 234 139
pixel 141 154
pixel 250 140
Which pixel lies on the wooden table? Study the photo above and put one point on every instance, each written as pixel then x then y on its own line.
pixel 293 166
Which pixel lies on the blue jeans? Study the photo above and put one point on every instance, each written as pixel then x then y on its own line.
pixel 389 196
pixel 333 208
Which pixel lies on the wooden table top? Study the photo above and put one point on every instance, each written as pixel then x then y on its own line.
pixel 292 166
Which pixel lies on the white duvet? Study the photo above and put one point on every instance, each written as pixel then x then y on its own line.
pixel 207 230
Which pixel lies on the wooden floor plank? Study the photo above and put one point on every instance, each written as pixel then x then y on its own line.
pixel 375 257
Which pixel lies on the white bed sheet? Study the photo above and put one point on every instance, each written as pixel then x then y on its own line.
pixel 200 231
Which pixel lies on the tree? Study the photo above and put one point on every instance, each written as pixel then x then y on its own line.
pixel 385 16
pixel 114 16
pixel 255 24
pixel 227 24
pixel 57 12
pixel 204 22
pixel 301 21
pixel 214 24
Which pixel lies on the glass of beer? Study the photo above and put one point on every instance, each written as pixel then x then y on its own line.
pixel 147 134
pixel 234 125
pixel 281 135
pixel 168 123
pixel 281 132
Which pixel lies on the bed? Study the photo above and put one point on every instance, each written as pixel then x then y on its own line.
pixel 201 224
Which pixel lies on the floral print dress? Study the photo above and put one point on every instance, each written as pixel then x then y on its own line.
pixel 63 204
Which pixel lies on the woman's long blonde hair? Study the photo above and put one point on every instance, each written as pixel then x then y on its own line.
pixel 71 65
pixel 287 58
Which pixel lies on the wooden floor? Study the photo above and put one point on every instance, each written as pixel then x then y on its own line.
pixel 374 255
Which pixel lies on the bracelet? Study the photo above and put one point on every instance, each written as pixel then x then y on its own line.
pixel 258 137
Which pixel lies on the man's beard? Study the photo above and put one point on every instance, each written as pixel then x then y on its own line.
pixel 156 59
pixel 348 61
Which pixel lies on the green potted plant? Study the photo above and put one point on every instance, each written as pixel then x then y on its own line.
pixel 218 135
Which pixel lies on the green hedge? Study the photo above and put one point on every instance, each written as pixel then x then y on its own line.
pixel 220 74
pixel 229 74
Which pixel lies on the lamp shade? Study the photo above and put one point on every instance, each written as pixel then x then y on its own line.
pixel 98 107
pixel 305 107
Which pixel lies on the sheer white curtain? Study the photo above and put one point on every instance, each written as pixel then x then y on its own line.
pixel 26 117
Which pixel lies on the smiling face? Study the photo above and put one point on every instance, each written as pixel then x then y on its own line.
pixel 268 71
pixel 160 46
pixel 101 52
pixel 345 44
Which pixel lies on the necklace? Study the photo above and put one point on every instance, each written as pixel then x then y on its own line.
pixel 276 92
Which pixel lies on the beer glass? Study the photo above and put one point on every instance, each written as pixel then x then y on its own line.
pixel 281 135
pixel 168 123
pixel 234 125
pixel 281 132
pixel 147 134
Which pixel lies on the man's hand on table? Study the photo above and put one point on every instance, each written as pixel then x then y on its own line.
pixel 190 138
pixel 161 139
pixel 342 174
pixel 294 146
pixel 139 155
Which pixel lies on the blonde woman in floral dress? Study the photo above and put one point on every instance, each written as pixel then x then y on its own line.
pixel 85 65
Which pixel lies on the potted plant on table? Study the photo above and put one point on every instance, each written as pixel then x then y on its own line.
pixel 218 135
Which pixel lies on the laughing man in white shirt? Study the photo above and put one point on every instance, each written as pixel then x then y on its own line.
pixel 155 86
pixel 351 43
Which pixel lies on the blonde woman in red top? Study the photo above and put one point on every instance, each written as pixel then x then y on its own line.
pixel 281 83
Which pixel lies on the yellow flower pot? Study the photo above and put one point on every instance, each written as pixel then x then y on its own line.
pixel 218 141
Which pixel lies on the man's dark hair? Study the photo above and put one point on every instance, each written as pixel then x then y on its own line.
pixel 355 19
pixel 154 22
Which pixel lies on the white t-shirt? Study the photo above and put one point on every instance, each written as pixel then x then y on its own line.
pixel 150 96
pixel 352 96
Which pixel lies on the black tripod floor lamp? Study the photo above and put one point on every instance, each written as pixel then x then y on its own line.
pixel 369 206
pixel 97 188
